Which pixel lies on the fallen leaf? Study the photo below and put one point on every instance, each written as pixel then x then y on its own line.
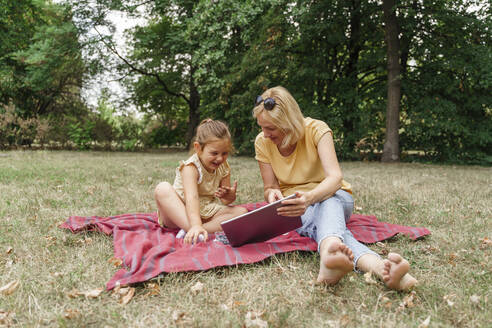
pixel 368 278
pixel 358 208
pixel 6 317
pixel 177 315
pixel 485 242
pixel 74 293
pixel 384 248
pixel 407 301
pixel 10 287
pixel 344 320
pixel 153 289
pixel 475 299
pixel 449 299
pixel 123 290
pixel 117 262
pixel 9 250
pixel 93 293
pixel 197 287
pixel 51 240
pixel 386 302
pixel 429 249
pixel 126 298
pixel 253 320
pixel 452 258
pixel 425 323
pixel 85 241
pixel 71 313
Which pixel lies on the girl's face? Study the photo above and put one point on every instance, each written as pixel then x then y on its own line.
pixel 213 153
pixel 270 131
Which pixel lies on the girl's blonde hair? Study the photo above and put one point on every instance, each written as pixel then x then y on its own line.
pixel 285 115
pixel 211 130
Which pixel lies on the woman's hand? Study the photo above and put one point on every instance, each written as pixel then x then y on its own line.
pixel 227 194
pixel 192 236
pixel 273 195
pixel 295 206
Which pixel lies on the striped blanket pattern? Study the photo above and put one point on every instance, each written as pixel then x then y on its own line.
pixel 147 249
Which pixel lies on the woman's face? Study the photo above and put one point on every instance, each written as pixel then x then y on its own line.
pixel 270 131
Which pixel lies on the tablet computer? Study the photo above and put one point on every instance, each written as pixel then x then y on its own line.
pixel 259 225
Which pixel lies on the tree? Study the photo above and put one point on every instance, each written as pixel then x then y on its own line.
pixel 391 151
pixel 42 68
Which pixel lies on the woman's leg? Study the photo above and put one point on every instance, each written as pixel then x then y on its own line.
pixel 325 223
pixel 223 214
pixel 172 211
pixel 330 221
pixel 393 271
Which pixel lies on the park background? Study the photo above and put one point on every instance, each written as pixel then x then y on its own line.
pixel 410 79
pixel 396 80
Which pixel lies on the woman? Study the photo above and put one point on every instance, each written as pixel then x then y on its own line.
pixel 297 155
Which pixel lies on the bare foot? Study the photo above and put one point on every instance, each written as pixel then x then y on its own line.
pixel 395 273
pixel 335 261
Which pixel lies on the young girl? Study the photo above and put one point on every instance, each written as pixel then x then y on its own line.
pixel 197 201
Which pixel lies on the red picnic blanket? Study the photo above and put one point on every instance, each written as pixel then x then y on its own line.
pixel 147 249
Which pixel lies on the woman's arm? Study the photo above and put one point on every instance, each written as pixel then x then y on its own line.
pixel 327 187
pixel 271 188
pixel 189 174
pixel 333 174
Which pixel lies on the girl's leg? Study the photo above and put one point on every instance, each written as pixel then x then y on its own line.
pixel 172 211
pixel 223 214
pixel 393 271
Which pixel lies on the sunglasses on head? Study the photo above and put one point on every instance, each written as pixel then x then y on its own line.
pixel 268 103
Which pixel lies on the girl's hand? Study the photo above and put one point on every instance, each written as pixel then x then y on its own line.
pixel 227 194
pixel 192 236
pixel 273 195
pixel 296 206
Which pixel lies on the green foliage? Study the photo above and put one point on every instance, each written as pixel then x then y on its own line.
pixel 80 134
pixel 196 59
pixel 15 130
pixel 331 56
pixel 41 65
pixel 447 91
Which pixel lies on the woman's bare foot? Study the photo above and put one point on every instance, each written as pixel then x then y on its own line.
pixel 335 261
pixel 395 273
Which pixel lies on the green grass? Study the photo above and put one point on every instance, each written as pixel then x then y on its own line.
pixel 40 189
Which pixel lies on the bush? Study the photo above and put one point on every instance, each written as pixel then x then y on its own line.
pixel 17 131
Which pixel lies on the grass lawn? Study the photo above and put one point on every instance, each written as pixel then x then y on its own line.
pixel 40 189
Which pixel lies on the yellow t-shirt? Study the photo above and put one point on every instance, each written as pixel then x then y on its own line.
pixel 301 170
pixel 208 183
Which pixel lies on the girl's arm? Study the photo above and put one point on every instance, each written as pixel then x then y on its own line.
pixel 271 188
pixel 189 174
pixel 226 193
pixel 327 187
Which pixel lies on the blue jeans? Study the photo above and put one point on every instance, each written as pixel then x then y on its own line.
pixel 328 219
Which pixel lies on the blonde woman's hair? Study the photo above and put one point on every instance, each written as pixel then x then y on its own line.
pixel 211 130
pixel 285 115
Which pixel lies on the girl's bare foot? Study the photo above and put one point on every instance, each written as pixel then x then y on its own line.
pixel 335 261
pixel 395 273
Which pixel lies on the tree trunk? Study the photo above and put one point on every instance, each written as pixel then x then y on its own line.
pixel 391 151
pixel 194 113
